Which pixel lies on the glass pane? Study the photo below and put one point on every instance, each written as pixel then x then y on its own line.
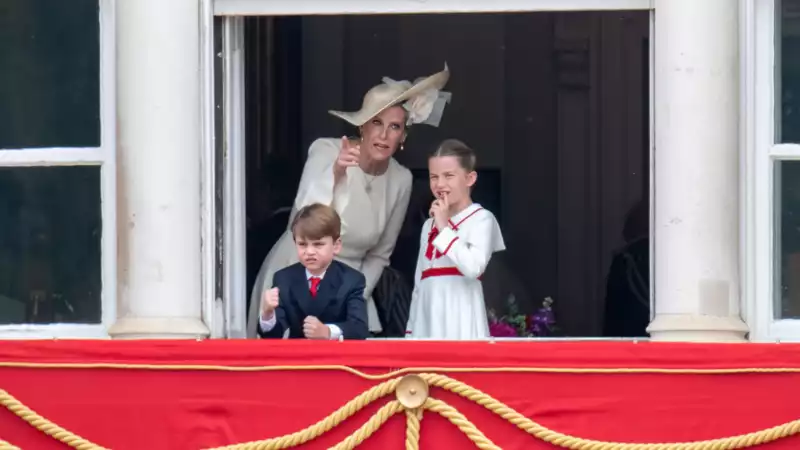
pixel 50 228
pixel 50 79
pixel 789 26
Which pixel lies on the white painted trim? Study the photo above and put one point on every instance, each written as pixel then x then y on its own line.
pixel 38 157
pixel 330 7
pixel 785 151
pixel 235 251
pixel 53 331
pixel 208 237
pixel 763 326
pixel 746 165
pixel 777 231
pixel 108 170
pixel 783 331
pixel 763 183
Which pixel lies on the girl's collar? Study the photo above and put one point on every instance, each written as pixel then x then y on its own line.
pixel 465 212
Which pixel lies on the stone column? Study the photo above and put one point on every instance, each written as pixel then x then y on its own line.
pixel 158 158
pixel 697 291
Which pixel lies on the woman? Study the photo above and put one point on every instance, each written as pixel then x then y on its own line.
pixel 362 181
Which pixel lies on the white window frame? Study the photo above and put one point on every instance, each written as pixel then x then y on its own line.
pixel 103 156
pixel 234 267
pixel 763 150
pixel 212 307
pixel 234 245
pixel 328 7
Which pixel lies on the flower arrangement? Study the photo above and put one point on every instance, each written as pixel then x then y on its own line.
pixel 514 324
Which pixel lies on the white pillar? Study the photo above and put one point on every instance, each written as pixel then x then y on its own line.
pixel 158 115
pixel 697 171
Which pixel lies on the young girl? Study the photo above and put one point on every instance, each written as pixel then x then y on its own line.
pixel 457 242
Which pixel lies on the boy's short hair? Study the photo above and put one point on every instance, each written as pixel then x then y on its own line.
pixel 317 221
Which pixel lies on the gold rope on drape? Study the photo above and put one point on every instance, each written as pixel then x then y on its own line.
pixel 412 399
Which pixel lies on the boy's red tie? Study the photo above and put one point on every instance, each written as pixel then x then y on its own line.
pixel 314 285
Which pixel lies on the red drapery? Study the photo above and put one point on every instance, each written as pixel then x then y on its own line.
pixel 183 408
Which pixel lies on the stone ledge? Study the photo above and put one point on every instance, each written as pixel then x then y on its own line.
pixel 697 328
pixel 158 328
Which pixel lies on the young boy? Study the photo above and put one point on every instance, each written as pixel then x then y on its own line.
pixel 317 298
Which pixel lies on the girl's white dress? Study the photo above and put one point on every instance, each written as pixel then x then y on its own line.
pixel 447 302
pixel 372 209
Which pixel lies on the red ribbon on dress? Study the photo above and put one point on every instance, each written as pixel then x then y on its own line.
pixel 429 253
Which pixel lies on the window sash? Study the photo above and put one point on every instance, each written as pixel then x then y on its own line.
pixel 103 156
pixel 763 150
pixel 305 7
pixel 53 156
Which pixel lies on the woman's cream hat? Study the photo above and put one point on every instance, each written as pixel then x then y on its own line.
pixel 423 100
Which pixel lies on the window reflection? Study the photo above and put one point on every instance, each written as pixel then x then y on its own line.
pixel 50 76
pixel 789 26
pixel 50 229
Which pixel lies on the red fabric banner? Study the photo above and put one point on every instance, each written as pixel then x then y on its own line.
pixel 228 392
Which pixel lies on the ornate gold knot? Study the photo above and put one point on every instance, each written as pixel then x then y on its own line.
pixel 412 391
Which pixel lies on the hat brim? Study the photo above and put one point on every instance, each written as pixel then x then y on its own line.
pixel 358 118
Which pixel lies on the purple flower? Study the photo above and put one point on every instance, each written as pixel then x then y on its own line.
pixel 541 322
pixel 544 317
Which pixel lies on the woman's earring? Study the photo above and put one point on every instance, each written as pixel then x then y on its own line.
pixel 402 147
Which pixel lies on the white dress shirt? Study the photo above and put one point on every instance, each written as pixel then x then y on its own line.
pixel 268 324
